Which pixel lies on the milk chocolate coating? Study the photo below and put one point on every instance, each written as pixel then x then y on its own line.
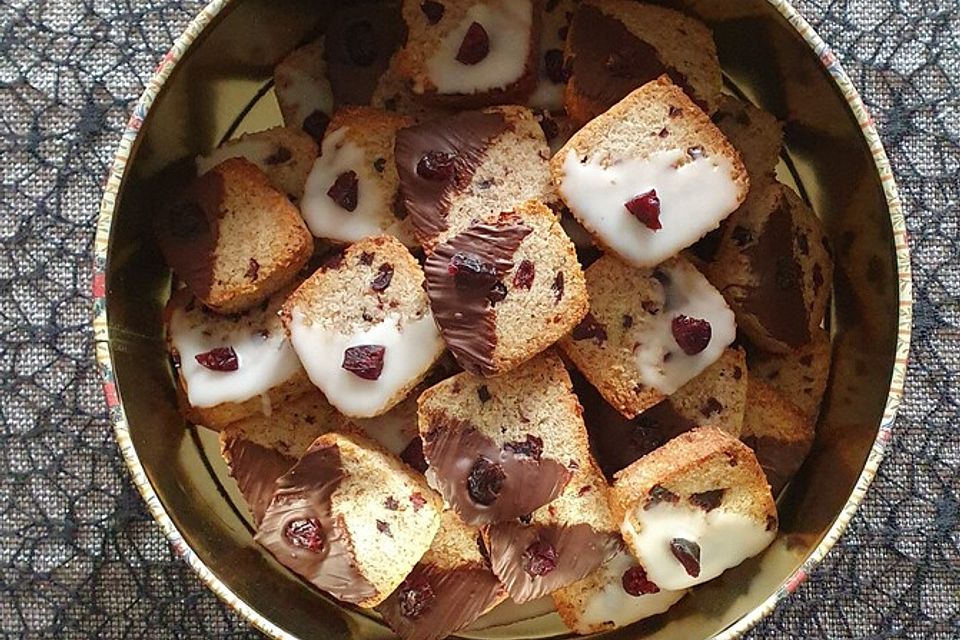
pixel 466 317
pixel 461 595
pixel 452 446
pixel 303 493
pixel 188 230
pixel 780 459
pixel 255 469
pixel 609 61
pixel 777 300
pixel 467 135
pixel 580 551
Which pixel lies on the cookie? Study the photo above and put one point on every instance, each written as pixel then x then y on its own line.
pixel 303 90
pixel 552 79
pixel 800 376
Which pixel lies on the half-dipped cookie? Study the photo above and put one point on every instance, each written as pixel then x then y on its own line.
pixel 303 90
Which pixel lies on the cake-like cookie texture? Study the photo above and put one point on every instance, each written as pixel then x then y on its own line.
pixel 777 431
pixel 450 587
pixel 615 46
pixel 351 192
pixel 260 448
pixel 454 170
pixel 499 448
pixel 336 519
pixel 231 367
pixel 715 398
pixel 361 39
pixel 232 237
pixel 505 289
pixel 552 79
pixel 774 267
pixel 468 53
pixel 651 176
pixel 561 542
pixel 695 507
pixel 393 94
pixel 800 376
pixel 617 594
pixel 284 154
pixel 755 133
pixel 303 90
pixel 363 328
pixel 648 331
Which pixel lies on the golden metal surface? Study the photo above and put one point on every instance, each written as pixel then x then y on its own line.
pixel 219 80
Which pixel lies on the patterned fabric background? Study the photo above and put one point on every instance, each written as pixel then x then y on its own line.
pixel 79 557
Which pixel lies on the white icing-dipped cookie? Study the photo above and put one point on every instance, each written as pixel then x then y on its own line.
pixel 351 192
pixel 303 90
pixel 615 595
pixel 551 81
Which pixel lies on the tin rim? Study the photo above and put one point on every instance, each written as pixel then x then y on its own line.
pixel 212 581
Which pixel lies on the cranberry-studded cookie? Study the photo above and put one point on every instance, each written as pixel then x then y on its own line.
pixel 651 176
pixel 800 376
pixel 552 79
pixel 695 507
pixel 363 328
pixel 303 89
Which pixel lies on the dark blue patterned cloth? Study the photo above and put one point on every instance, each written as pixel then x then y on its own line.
pixel 79 556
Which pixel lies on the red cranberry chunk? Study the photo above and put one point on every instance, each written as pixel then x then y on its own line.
pixel 636 583
pixel 345 190
pixel 415 597
pixel 557 287
pixel 418 501
pixel 532 447
pixel 475 46
pixel 692 334
pixel 383 278
pixel 305 533
pixel 437 166
pixel 315 125
pixel 384 528
pixel 707 500
pixel 523 278
pixel 646 208
pixel 539 559
pixel 219 359
pixel 483 393
pixel 553 66
pixel 470 271
pixel 433 11
pixel 485 481
pixel 590 328
pixel 253 270
pixel 687 553
pixel 658 493
pixel 366 258
pixel 364 361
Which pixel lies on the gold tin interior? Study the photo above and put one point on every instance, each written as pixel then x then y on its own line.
pixel 222 85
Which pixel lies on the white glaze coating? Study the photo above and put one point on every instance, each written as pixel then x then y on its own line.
pixel 411 349
pixel 508 24
pixel 255 149
pixel 302 86
pixel 690 294
pixel 607 602
pixel 394 429
pixel 694 198
pixel 264 363
pixel 726 539
pixel 325 218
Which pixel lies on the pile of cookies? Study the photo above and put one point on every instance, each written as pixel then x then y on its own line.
pixel 512 306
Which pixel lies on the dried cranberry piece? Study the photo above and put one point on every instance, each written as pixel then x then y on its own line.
pixel 675 111
pixel 219 359
pixel 384 528
pixel 539 559
pixel 470 271
pixel 315 125
pixel 433 10
pixel 366 258
pixel 364 361
pixel 391 504
pixel 437 166
pixel 414 597
pixel 692 334
pixel 557 287
pixel 485 481
pixel 483 393
pixel 553 66
pixel 646 208
pixel 475 46
pixel 497 292
pixel 305 533
pixel 523 278
pixel 281 155
pixel 383 278
pixel 688 553
pixel 590 328
pixel 418 501
pixel 361 43
pixel 413 456
pixel 636 583
pixel 710 407
pixel 253 270
pixel 532 447
pixel 345 190
pixel 627 321
pixel 707 500
pixel 657 494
